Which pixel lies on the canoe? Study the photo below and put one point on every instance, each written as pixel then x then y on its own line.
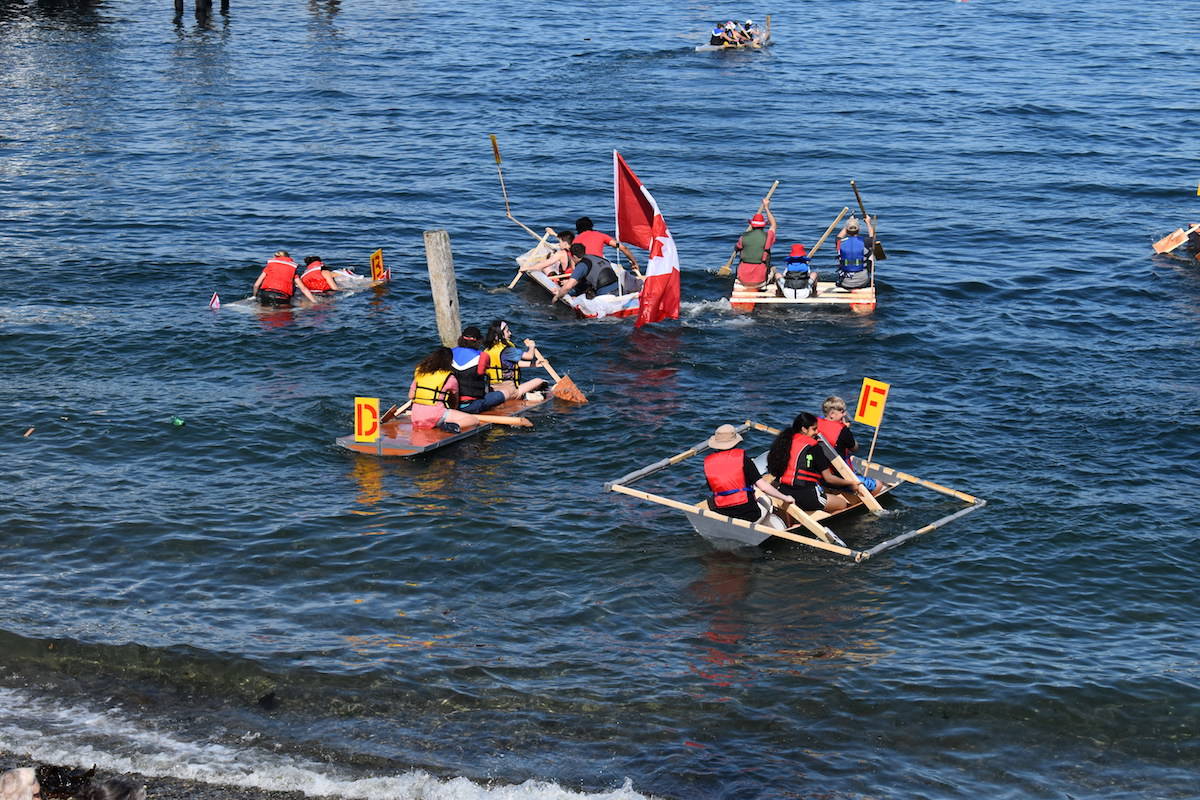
pixel 718 48
pixel 605 305
pixel 722 530
pixel 860 301
pixel 399 439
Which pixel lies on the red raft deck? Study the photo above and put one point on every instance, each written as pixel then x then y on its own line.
pixel 398 439
pixel 860 301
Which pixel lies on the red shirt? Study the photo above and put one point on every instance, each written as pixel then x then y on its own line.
pixel 593 242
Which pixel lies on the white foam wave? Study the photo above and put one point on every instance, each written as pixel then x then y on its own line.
pixel 51 733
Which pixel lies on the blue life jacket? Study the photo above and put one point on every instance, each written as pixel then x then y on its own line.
pixel 851 254
pixel 796 264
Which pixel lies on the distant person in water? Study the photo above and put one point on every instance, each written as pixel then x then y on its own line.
pixel 594 242
pixel 277 283
pixel 317 277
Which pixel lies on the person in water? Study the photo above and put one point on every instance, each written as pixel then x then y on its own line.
pixel 317 277
pixel 277 282
pixel 558 262
pixel 796 279
pixel 803 468
pixel 733 478
pixel 470 365
pixel 833 426
pixel 594 242
pixel 505 359
pixel 590 275
pixel 754 249
pixel 855 255
pixel 434 395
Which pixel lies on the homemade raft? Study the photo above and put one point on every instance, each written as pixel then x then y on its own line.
pixel 860 301
pixel 809 529
pixel 398 438
pixel 757 44
pixel 604 305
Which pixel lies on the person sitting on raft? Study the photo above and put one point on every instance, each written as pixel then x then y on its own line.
pixel 733 478
pixel 754 249
pixel 317 277
pixel 796 280
pixel 590 275
pixel 836 430
pixel 803 468
pixel 505 359
pixel 557 263
pixel 434 395
pixel 470 367
pixel 718 36
pixel 855 255
pixel 277 282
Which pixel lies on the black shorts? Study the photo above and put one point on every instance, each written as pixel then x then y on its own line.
pixel 809 496
pixel 748 511
pixel 270 297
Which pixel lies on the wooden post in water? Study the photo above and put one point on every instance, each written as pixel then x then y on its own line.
pixel 442 286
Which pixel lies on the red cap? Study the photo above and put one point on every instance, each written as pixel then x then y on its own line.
pixel 798 251
pixel 757 221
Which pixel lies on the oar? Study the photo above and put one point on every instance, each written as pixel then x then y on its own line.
pixel 541 241
pixel 516 422
pixel 1169 243
pixel 500 172
pixel 564 388
pixel 725 270
pixel 880 255
pixel 845 210
pixel 817 529
pixel 394 412
pixel 844 470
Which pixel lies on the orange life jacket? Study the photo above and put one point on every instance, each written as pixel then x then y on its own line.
pixel 799 459
pixel 313 279
pixel 727 478
pixel 280 275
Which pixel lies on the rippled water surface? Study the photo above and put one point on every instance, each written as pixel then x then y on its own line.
pixel 238 600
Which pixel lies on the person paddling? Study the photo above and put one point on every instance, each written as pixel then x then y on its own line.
pixel 733 478
pixel 470 366
pixel 754 248
pixel 278 282
pixel 558 262
pixel 855 254
pixel 505 359
pixel 836 430
pixel 803 468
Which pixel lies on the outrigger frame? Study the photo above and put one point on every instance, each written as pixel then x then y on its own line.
pixel 621 486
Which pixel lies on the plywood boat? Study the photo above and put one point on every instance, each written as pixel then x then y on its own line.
pixel 398 438
pixel 810 528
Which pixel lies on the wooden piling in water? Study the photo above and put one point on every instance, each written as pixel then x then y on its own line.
pixel 442 286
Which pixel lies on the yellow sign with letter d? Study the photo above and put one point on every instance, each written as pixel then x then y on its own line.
pixel 366 419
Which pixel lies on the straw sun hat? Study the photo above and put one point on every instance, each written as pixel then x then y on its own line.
pixel 724 438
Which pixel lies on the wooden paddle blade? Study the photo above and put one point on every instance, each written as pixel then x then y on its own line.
pixel 1170 242
pixel 389 414
pixel 880 255
pixel 516 422
pixel 566 389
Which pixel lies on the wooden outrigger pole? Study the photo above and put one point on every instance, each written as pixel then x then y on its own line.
pixel 808 521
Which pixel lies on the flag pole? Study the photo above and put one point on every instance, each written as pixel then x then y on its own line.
pixel 875 438
pixel 616 211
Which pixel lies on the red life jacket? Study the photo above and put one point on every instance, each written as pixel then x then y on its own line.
pixel 831 431
pixel 727 478
pixel 313 279
pixel 796 471
pixel 280 275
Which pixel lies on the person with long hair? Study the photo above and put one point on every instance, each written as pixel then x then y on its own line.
pixel 797 458
pixel 505 359
pixel 434 395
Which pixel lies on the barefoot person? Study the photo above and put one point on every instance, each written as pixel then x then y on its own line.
pixel 803 468
pixel 434 395
pixel 505 359
pixel 470 366
pixel 733 478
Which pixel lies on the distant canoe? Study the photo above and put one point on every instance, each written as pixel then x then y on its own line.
pixel 718 48
pixel 399 439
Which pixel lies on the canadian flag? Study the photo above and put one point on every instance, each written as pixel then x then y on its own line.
pixel 640 224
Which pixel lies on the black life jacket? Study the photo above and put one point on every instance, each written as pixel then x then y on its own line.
pixel 471 385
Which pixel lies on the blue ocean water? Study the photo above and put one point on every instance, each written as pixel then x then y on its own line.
pixel 236 600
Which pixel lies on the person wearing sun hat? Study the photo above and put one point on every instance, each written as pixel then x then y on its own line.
pixel 796 280
pixel 733 478
pixel 754 248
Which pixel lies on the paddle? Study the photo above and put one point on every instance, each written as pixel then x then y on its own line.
pixel 541 241
pixel 1170 242
pixel 564 388
pixel 500 172
pixel 516 422
pixel 394 412
pixel 817 529
pixel 843 469
pixel 725 270
pixel 845 210
pixel 880 255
